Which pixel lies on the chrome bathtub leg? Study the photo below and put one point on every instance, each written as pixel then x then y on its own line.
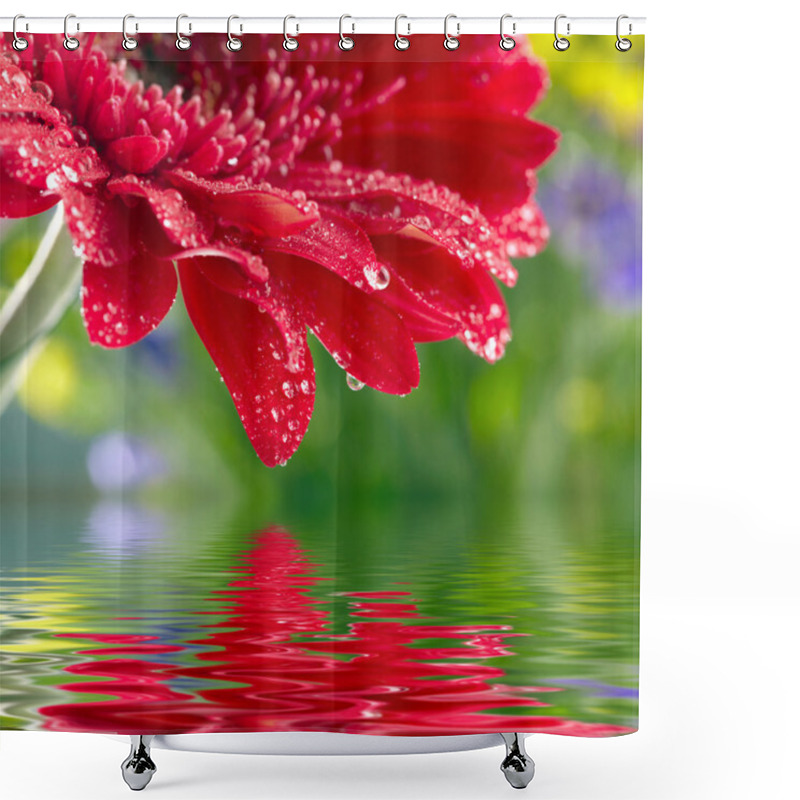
pixel 517 766
pixel 138 768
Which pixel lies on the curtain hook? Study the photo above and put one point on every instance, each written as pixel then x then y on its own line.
pixel 506 42
pixel 288 42
pixel 128 42
pixel 623 45
pixel 181 42
pixel 19 44
pixel 233 44
pixel 345 42
pixel 451 42
pixel 70 42
pixel 560 43
pixel 400 42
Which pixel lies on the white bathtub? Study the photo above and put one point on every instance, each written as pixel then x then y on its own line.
pixel 138 768
pixel 317 743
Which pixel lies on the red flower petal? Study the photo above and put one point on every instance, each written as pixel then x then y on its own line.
pixel 54 75
pixel 524 230
pixel 205 160
pixel 101 228
pixel 478 153
pixel 124 302
pixel 232 270
pixel 181 224
pixel 382 204
pixel 273 403
pixel 46 158
pixel 335 242
pixel 137 154
pixel 423 322
pixel 364 336
pixel 478 73
pixel 261 209
pixel 469 296
pixel 18 200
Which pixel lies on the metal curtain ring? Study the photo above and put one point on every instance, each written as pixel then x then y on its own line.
pixel 451 42
pixel 128 42
pixel 506 42
pixel 345 42
pixel 623 45
pixel 288 42
pixel 70 42
pixel 400 42
pixel 560 43
pixel 233 44
pixel 19 44
pixel 181 42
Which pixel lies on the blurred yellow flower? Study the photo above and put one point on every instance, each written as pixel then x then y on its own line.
pixel 51 381
pixel 599 76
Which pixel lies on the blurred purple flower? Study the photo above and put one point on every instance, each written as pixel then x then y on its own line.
pixel 597 689
pixel 158 354
pixel 595 219
pixel 116 528
pixel 117 460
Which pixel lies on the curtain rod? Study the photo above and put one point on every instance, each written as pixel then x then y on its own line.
pixel 408 26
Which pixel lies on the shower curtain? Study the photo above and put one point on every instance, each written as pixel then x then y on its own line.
pixel 319 370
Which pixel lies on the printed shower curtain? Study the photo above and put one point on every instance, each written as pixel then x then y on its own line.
pixel 320 385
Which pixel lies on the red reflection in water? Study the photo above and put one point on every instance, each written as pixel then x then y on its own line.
pixel 289 673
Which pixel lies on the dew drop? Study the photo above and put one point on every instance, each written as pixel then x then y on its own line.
pixel 377 278
pixel 72 176
pixel 354 383
pixel 40 87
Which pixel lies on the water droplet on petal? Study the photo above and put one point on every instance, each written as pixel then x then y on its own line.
pixel 382 281
pixel 40 87
pixel 377 278
pixel 72 176
pixel 354 383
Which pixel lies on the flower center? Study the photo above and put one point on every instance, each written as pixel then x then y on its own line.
pixel 214 116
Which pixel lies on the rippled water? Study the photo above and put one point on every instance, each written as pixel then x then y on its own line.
pixel 125 619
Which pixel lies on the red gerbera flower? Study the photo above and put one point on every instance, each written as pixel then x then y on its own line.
pixel 368 196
